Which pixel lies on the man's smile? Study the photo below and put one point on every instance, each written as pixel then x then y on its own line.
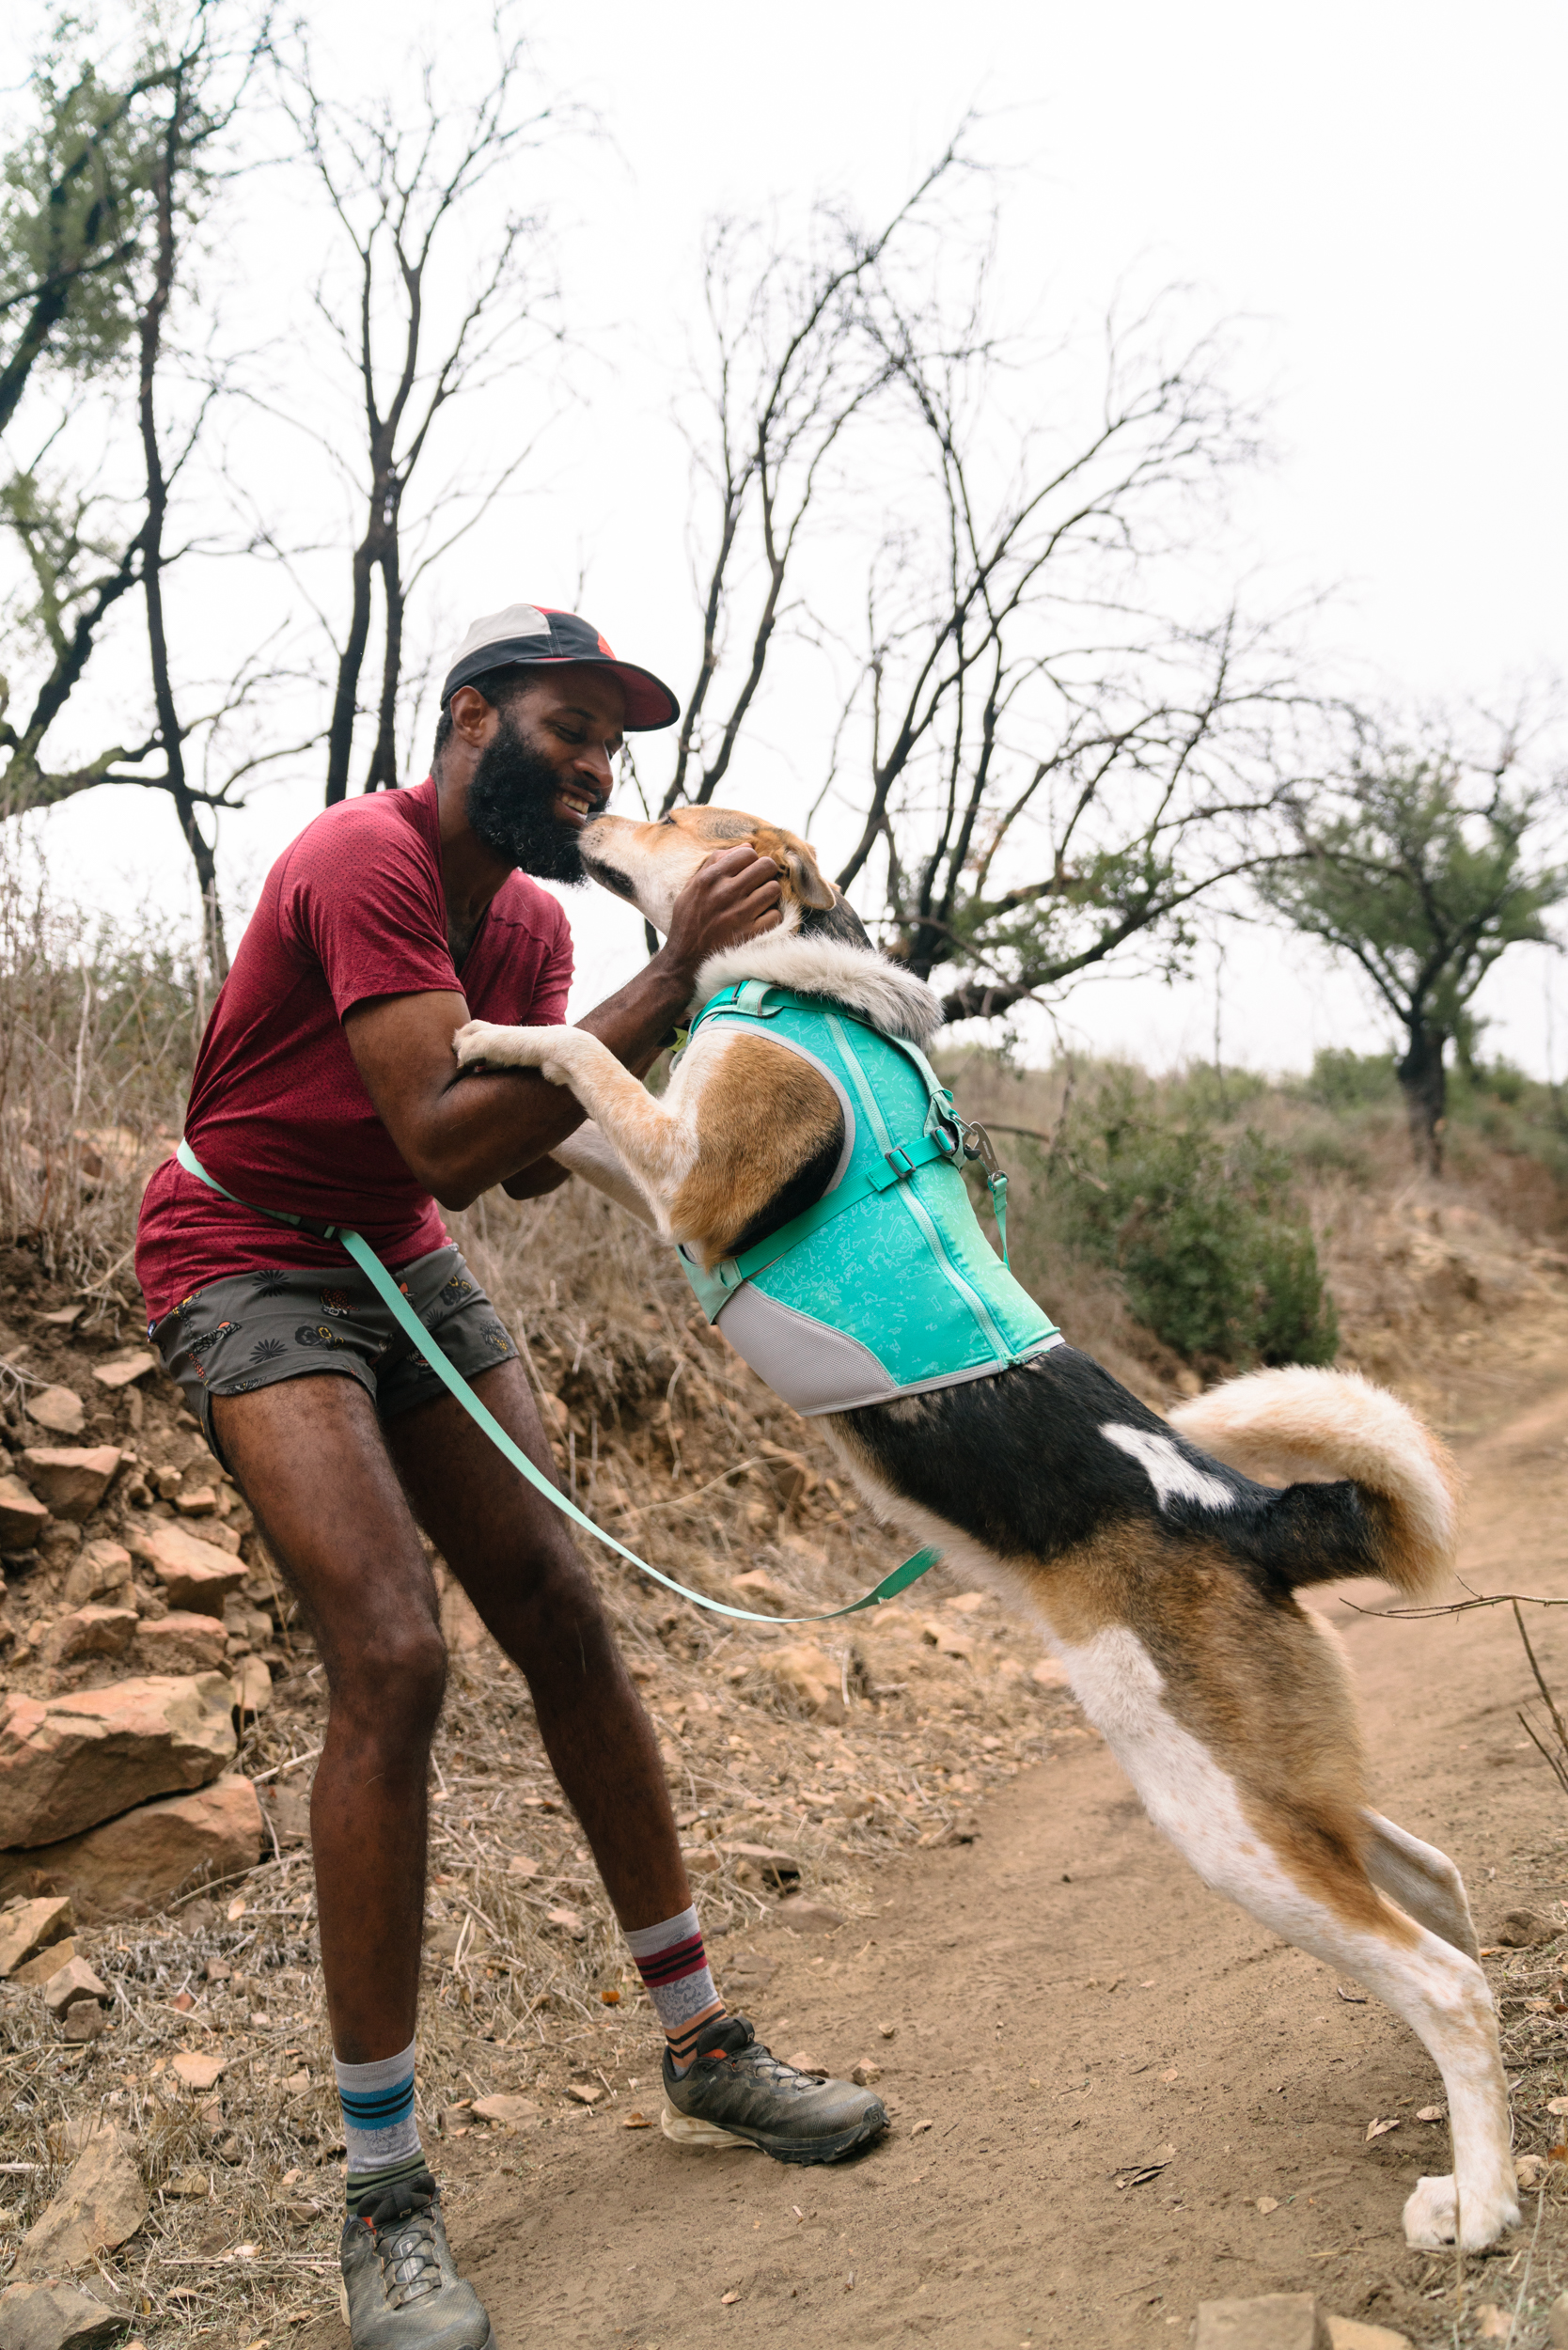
pixel 578 802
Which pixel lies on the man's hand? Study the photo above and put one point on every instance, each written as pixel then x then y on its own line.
pixel 733 896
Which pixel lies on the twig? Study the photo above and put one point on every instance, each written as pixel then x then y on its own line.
pixel 1540 1683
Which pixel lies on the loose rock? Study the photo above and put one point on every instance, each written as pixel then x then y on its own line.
pixel 31 1927
pixel 506 2112
pixel 780 1869
pixel 101 1571
pixel 1526 1930
pixel 55 2317
pixel 58 1409
pixel 71 1479
pixel 1348 2333
pixel 182 1642
pixel 75 1980
pixel 140 1861
pixel 197 1576
pixel 805 1916
pixel 124 1370
pixel 92 1631
pixel 866 2073
pixel 22 1516
pixel 67 1762
pixel 197 2071
pixel 84 2019
pixel 101 2205
pixel 809 1675
pixel 1274 2321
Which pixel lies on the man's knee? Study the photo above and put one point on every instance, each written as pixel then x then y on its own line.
pixel 395 1675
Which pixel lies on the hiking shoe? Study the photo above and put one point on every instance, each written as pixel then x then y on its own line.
pixel 737 2091
pixel 401 2287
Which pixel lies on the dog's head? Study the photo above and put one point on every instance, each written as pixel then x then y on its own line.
pixel 650 865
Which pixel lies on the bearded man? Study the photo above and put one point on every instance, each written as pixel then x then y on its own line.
pixel 326 1088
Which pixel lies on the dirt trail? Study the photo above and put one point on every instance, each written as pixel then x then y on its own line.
pixel 1069 2006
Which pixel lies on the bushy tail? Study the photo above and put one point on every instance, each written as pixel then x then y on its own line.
pixel 1317 1425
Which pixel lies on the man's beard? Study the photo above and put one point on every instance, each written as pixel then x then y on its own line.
pixel 511 809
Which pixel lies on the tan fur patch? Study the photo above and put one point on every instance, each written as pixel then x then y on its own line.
pixel 763 1114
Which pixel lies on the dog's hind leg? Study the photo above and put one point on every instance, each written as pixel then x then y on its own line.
pixel 1421 1880
pixel 1297 1866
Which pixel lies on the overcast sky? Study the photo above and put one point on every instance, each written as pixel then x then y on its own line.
pixel 1377 189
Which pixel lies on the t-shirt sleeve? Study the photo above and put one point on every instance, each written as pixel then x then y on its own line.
pixel 370 912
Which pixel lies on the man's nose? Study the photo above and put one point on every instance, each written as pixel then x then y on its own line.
pixel 592 764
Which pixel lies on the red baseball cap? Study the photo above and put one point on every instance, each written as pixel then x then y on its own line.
pixel 525 633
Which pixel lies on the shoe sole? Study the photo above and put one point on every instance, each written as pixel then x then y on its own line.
pixel 684 2129
pixel 488 2343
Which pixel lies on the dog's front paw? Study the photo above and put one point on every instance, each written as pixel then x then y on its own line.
pixel 1432 2216
pixel 482 1044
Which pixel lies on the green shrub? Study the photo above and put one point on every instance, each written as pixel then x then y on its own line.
pixel 1352 1081
pixel 1214 1254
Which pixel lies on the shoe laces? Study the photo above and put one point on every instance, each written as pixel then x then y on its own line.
pixel 404 2221
pixel 752 2056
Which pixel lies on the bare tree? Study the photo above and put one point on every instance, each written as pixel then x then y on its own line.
pixel 1055 763
pixel 402 185
pixel 87 546
pixel 791 369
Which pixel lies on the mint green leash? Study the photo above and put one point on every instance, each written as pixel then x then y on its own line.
pixel 402 1312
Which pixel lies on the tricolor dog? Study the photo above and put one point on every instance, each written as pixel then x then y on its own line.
pixel 1165 1577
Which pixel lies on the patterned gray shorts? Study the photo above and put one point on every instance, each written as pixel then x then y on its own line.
pixel 280 1323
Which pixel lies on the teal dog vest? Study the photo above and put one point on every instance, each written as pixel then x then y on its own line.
pixel 886 1286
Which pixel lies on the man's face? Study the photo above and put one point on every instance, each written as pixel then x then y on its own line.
pixel 545 770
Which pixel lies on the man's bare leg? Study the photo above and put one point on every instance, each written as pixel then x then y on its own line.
pixel 310 1459
pixel 514 1556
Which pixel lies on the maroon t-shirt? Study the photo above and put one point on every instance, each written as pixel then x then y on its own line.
pixel 278 1113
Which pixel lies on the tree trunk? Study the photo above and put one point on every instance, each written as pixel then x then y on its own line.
pixel 171 733
pixel 1423 1081
pixel 384 758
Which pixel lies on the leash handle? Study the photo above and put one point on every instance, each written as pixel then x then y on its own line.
pixel 402 1312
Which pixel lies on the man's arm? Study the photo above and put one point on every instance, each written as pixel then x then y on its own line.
pixel 458 1132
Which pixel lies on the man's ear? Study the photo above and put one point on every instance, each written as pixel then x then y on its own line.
pixel 799 860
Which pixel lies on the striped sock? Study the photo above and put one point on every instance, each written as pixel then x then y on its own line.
pixel 674 1966
pixel 379 2128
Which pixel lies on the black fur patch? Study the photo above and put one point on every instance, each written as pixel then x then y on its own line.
pixel 839 921
pixel 1019 1463
pixel 805 1187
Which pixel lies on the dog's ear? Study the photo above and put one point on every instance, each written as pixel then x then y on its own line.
pixel 799 861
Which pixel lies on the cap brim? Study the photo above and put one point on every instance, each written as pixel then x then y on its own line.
pixel 649 703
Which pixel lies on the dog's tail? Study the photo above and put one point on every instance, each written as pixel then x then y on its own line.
pixel 1326 1425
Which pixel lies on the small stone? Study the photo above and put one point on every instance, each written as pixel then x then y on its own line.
pixel 1273 2321
pixel 23 1515
pixel 101 2206
pixel 75 1980
pixel 124 1370
pixel 192 2184
pixel 506 2112
pixel 64 1317
pixel 197 2071
pixel 197 1574
pixel 182 1642
pixel 71 1479
pixel 1349 2333
pixel 807 1674
pixel 1557 2323
pixel 101 1571
pixel 90 1631
pixel 84 2019
pixel 780 1869
pixel 804 1916
pixel 568 1921
pixel 36 1973
pixel 58 1409
pixel 1526 1930
pixel 253 1687
pixel 31 1928
pixel 585 2092
pixel 200 1502
pixel 701 1859
pixel 521 1865
pixel 866 2073
pixel 57 2316
pixel 1530 2171
pixel 888 2031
